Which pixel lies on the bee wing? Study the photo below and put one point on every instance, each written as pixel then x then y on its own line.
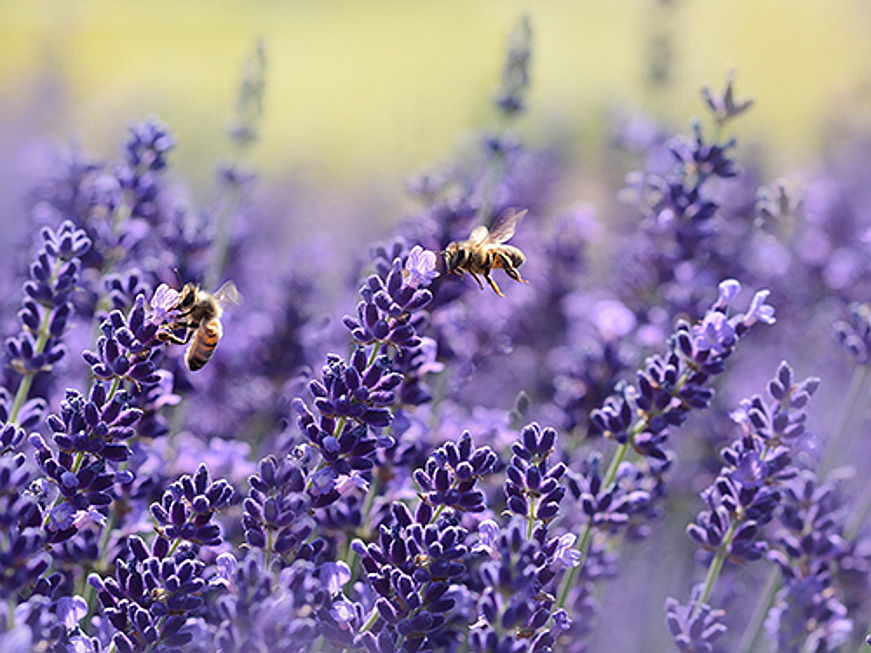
pixel 228 294
pixel 505 227
pixel 479 235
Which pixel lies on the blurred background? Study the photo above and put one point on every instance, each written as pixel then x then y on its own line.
pixel 363 94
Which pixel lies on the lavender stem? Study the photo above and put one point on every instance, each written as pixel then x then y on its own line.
pixel 760 612
pixel 41 341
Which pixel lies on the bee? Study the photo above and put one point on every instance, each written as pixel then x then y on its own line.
pixel 199 314
pixel 485 251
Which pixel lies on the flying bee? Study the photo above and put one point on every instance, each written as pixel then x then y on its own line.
pixel 485 250
pixel 199 315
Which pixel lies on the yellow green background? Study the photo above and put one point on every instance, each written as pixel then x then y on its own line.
pixel 363 92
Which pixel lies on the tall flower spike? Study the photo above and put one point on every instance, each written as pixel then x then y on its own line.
pixel 388 303
pixel 145 153
pixel 128 347
pixel 148 599
pixel 669 387
pixel 23 556
pixel 511 98
pixel 451 473
pixel 46 308
pixel 809 611
pixel 724 106
pixel 276 511
pixel 746 494
pixel 187 509
pixel 410 569
pixel 854 334
pixel 532 487
pixel 641 416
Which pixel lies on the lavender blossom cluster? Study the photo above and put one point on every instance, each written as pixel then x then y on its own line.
pixel 417 465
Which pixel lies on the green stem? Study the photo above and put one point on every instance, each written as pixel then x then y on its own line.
pixel 530 518
pixel 587 536
pixel 269 537
pixel 854 391
pixel 221 244
pixel 373 617
pixel 715 568
pixel 24 386
pixel 859 513
pixel 320 466
pixel 610 476
pixel 89 592
pixel 618 458
pixel 754 628
pixel 10 609
pixel 494 170
pixel 350 556
pixel 569 579
pixel 42 338
pixel 372 354
pixel 113 389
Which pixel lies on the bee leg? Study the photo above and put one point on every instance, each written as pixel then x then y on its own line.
pixel 510 270
pixel 174 339
pixel 492 283
pixel 168 336
pixel 475 277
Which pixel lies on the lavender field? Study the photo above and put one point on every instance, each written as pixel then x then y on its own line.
pixel 523 401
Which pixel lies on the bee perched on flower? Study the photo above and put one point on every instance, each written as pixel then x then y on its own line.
pixel 197 314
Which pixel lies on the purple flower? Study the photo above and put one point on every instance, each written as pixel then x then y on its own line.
pixel 420 267
pixel 71 610
pixel 162 304
pixel 724 106
pixel 334 576
pixel 729 289
pixel 488 533
pixel 62 515
pixel 715 333
pixel 694 629
pixel 351 483
pixel 324 481
pixel 759 311
pixel 751 471
pixel 566 555
pixel 343 612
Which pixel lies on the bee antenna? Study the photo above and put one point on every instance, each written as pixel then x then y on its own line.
pixel 178 276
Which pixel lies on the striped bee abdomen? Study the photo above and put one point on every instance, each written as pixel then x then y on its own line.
pixel 203 344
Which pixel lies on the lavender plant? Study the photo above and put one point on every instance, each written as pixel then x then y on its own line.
pixel 415 466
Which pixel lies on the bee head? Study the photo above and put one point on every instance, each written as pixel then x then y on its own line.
pixel 455 256
pixel 187 297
